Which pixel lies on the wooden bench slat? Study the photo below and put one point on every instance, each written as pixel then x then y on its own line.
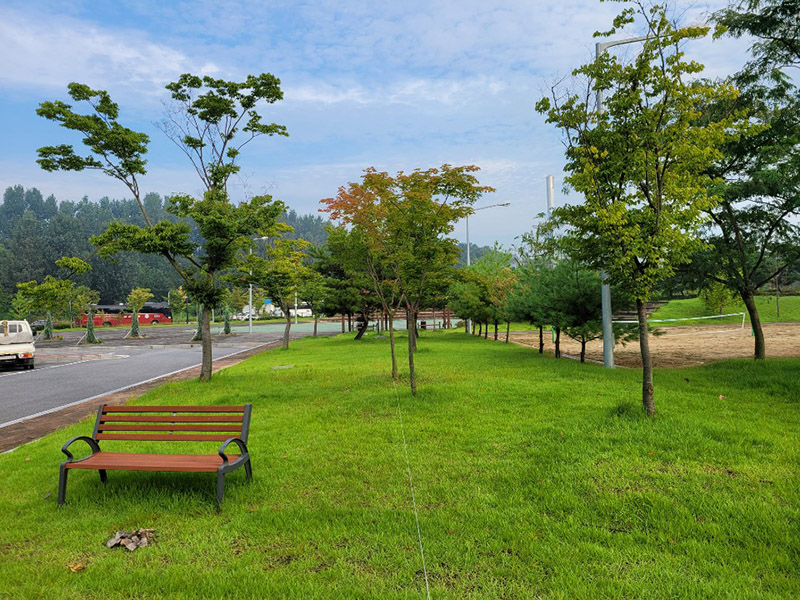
pixel 119 461
pixel 236 428
pixel 172 419
pixel 175 437
pixel 175 409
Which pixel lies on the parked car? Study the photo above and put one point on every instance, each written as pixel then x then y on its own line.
pixel 38 325
pixel 16 344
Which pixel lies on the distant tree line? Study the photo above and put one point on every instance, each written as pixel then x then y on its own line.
pixel 36 231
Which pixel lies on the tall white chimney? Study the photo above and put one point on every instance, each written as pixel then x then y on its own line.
pixel 550 194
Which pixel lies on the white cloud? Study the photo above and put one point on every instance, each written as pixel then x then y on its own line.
pixel 49 52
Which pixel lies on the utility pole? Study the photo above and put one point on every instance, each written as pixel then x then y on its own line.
pixel 605 291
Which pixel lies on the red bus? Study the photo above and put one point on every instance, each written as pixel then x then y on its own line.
pixel 113 315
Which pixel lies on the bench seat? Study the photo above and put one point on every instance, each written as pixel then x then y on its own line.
pixel 177 463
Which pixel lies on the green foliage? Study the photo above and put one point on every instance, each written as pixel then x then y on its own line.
pixel 35 233
pixel 53 295
pixel 115 150
pixel 641 164
pixel 90 337
pixel 226 314
pixel 716 296
pixel 212 120
pixel 754 233
pixel 281 273
pixel 177 299
pixel 137 298
pixel 48 327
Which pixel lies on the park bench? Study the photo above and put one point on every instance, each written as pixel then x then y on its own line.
pixel 226 424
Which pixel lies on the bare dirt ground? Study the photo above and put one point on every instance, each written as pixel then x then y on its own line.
pixel 684 346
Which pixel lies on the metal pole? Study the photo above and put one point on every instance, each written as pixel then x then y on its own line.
pixel 605 289
pixel 250 306
pixel 468 325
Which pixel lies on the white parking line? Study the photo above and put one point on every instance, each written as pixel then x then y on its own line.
pixel 40 369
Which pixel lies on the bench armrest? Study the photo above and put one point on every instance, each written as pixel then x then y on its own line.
pixel 92 444
pixel 239 442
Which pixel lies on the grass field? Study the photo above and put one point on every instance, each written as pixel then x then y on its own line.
pixel 533 478
pixel 694 307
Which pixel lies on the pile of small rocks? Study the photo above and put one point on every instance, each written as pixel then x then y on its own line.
pixel 138 538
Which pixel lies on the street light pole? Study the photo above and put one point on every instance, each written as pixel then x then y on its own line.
pixel 468 325
pixel 250 303
pixel 250 306
pixel 605 291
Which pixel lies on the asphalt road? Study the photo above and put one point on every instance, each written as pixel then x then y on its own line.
pixel 67 375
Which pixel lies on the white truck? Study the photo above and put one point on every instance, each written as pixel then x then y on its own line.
pixel 16 344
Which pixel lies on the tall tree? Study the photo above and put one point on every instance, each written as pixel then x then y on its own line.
pixel 754 235
pixel 417 211
pixel 210 121
pixel 641 164
pixel 280 274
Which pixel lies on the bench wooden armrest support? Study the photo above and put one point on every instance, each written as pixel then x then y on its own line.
pixel 226 424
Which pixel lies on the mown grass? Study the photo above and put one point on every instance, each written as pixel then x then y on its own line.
pixel 533 478
pixel 694 307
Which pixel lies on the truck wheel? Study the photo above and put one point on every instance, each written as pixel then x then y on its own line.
pixel 153 322
pixel 106 323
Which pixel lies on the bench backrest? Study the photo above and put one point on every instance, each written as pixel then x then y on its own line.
pixel 172 423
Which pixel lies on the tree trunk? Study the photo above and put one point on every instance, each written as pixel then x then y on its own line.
pixel 480 329
pixel 647 361
pixel 755 322
pixel 541 339
pixel 412 374
pixel 342 322
pixel 508 330
pixel 391 345
pixel 486 331
pixel 316 320
pixel 495 331
pixel 205 369
pixel 287 329
pixel 558 342
pixel 583 350
pixel 349 322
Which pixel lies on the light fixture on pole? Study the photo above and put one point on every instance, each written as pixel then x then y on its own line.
pixel 469 261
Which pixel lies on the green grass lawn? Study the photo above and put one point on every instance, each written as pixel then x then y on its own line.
pixel 694 307
pixel 533 478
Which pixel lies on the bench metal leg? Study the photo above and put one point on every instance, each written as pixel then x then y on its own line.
pixel 248 469
pixel 220 488
pixel 62 483
pixel 103 476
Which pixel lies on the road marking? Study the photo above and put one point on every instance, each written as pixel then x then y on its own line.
pixel 122 389
pixel 40 369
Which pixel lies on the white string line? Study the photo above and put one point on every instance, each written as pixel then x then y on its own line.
pixel 683 319
pixel 411 484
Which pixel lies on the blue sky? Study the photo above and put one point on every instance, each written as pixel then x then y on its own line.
pixel 395 85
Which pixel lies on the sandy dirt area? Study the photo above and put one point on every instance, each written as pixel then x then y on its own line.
pixel 685 346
